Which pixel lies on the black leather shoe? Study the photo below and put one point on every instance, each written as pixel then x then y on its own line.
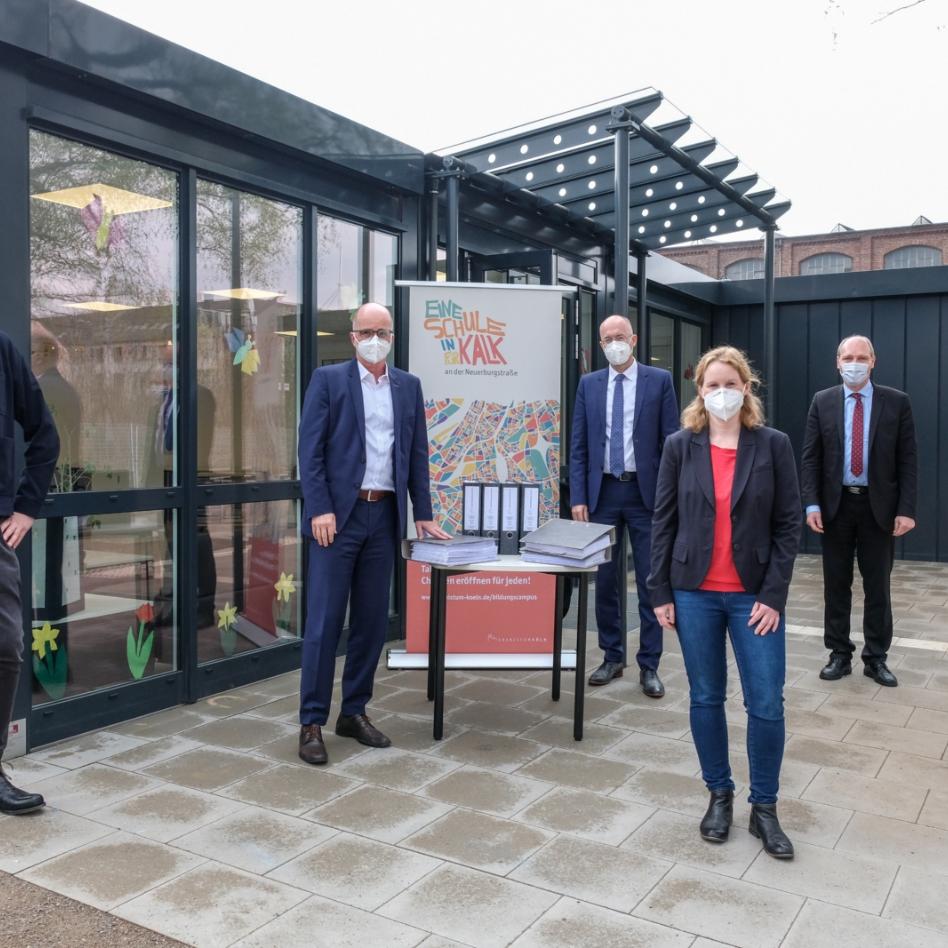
pixel 651 683
pixel 766 827
pixel 717 820
pixel 360 727
pixel 16 801
pixel 606 672
pixel 312 748
pixel 879 672
pixel 836 668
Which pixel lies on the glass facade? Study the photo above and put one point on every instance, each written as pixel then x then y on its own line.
pixel 252 569
pixel 104 293
pixel 249 292
pixel 104 602
pixel 355 265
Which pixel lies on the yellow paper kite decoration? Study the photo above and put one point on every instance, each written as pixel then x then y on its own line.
pixel 46 636
pixel 284 587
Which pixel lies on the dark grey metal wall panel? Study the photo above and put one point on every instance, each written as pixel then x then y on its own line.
pixel 922 384
pixel 110 50
pixel 25 24
pixel 910 335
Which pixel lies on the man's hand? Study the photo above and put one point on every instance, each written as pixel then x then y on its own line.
pixel 763 619
pixel 429 528
pixel 581 512
pixel 666 615
pixel 17 526
pixel 324 528
pixel 815 521
pixel 902 526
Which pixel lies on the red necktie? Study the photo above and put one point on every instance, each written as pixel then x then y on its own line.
pixel 855 463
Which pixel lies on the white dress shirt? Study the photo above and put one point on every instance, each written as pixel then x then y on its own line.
pixel 379 430
pixel 628 405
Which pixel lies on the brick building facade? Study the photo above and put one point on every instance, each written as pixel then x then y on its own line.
pixel 919 244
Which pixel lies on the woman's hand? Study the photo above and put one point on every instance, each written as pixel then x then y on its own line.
pixel 763 619
pixel 666 615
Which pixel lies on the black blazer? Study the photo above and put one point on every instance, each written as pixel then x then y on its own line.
pixel 892 458
pixel 765 515
pixel 22 402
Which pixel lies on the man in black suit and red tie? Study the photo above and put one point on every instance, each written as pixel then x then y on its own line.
pixel 859 477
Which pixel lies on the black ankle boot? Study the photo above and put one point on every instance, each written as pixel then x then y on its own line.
pixel 717 820
pixel 766 827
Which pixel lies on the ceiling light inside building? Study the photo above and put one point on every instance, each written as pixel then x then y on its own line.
pixel 246 293
pixel 116 200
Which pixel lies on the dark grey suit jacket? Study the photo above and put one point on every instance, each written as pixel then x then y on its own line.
pixel 765 515
pixel 892 457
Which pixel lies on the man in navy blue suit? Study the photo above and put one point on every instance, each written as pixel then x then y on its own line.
pixel 623 415
pixel 363 445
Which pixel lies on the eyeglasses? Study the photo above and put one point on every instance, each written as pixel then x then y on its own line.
pixel 621 338
pixel 365 334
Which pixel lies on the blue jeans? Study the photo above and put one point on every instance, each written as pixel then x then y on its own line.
pixel 703 619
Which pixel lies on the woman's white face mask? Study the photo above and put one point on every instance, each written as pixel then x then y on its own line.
pixel 724 403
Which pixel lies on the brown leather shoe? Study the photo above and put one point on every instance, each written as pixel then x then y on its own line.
pixel 362 729
pixel 312 748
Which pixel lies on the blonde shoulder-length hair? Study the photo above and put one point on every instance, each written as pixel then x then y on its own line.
pixel 695 415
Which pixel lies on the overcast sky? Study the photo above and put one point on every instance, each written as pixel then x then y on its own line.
pixel 838 106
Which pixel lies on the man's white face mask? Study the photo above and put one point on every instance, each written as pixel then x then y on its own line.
pixel 854 373
pixel 373 350
pixel 617 352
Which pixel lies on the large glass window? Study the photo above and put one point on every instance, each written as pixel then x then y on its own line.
pixel 249 280
pixel 662 349
pixel 355 265
pixel 826 263
pixel 916 256
pixel 249 572
pixel 751 268
pixel 104 283
pixel 690 355
pixel 104 602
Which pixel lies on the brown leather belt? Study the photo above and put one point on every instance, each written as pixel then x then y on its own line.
pixel 374 495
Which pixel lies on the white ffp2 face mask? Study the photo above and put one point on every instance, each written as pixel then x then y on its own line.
pixel 617 352
pixel 854 373
pixel 724 403
pixel 373 350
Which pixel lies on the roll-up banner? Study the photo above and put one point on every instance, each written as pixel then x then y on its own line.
pixel 489 360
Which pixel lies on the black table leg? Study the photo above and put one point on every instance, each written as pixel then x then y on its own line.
pixel 580 657
pixel 432 628
pixel 558 636
pixel 440 652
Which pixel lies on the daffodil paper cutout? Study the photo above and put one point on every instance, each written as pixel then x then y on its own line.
pixel 49 661
pixel 138 648
pixel 226 622
pixel 282 608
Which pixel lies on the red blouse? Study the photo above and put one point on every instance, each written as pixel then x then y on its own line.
pixel 721 575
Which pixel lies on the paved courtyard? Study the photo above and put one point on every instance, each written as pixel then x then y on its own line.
pixel 200 822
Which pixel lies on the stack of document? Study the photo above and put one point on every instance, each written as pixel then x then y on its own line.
pixel 455 551
pixel 569 543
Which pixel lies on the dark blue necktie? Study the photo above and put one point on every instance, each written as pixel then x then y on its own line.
pixel 617 436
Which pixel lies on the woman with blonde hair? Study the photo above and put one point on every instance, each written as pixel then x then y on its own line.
pixel 725 534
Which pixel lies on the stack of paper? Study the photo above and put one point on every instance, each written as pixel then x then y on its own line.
pixel 455 551
pixel 569 543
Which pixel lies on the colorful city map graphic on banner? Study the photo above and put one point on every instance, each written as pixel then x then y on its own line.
pixel 488 441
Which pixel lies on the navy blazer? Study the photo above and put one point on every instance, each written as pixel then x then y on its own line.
pixel 891 458
pixel 656 417
pixel 332 445
pixel 22 402
pixel 765 515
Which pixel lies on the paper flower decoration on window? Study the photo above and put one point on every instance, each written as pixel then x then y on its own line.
pixel 227 617
pixel 138 648
pixel 102 222
pixel 45 638
pixel 244 348
pixel 284 587
pixel 49 661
